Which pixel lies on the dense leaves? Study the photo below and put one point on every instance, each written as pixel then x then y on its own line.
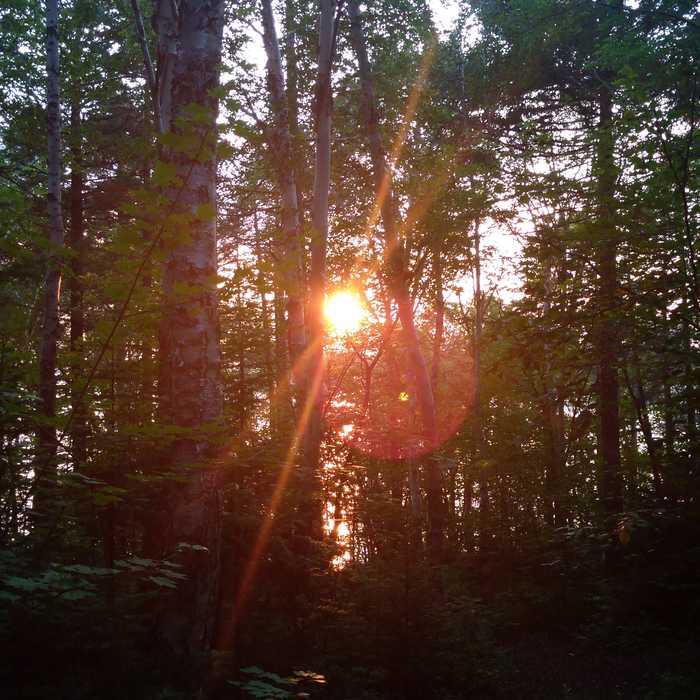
pixel 544 180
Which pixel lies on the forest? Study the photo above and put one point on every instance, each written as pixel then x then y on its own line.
pixel 349 349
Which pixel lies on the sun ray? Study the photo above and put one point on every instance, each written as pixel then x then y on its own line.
pixel 228 630
pixel 344 312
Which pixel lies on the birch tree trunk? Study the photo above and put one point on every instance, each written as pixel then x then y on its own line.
pixel 46 433
pixel 397 279
pixel 190 384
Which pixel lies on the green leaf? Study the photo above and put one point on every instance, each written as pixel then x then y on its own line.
pixel 162 581
pixel 164 174
pixel 90 570
pixel 76 595
pixel 24 584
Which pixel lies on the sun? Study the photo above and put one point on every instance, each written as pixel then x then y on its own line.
pixel 344 312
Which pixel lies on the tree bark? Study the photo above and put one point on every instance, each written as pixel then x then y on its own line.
pixel 75 288
pixel 165 23
pixel 46 433
pixel 311 504
pixel 439 317
pixel 190 384
pixel 690 394
pixel 289 248
pixel 283 396
pixel 607 333
pixel 556 489
pixel 292 92
pixel 639 400
pixel 477 414
pixel 270 374
pixel 148 66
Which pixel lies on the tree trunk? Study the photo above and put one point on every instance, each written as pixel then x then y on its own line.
pixel 46 433
pixel 190 384
pixel 311 507
pixel 690 395
pixel 477 414
pixel 165 23
pixel 297 138
pixel 270 375
pixel 150 72
pixel 77 315
pixel 439 317
pixel 607 335
pixel 467 509
pixel 394 264
pixel 632 456
pixel 556 489
pixel 639 400
pixel 283 397
pixel 289 248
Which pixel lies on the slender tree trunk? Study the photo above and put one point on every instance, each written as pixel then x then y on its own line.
pixel 416 502
pixel 439 317
pixel 289 248
pixel 283 396
pixel 239 322
pixel 77 314
pixel 607 335
pixel 556 490
pixel 477 413
pixel 311 504
pixel 641 407
pixel 396 275
pixel 190 383
pixel 669 421
pixel 690 398
pixel 157 86
pixel 555 486
pixel 292 92
pixel 149 69
pixel 267 331
pixel 46 434
pixel 467 509
pixel 165 23
pixel 668 408
pixel 632 456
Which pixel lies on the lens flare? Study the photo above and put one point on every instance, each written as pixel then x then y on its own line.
pixel 344 313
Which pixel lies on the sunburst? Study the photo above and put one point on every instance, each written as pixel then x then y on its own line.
pixel 344 312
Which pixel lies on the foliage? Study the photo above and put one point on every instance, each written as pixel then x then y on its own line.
pixel 538 590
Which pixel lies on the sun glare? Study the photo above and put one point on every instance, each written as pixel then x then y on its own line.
pixel 344 313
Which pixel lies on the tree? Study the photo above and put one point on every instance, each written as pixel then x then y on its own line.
pixel 317 276
pixel 46 434
pixel 190 382
pixel 396 278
